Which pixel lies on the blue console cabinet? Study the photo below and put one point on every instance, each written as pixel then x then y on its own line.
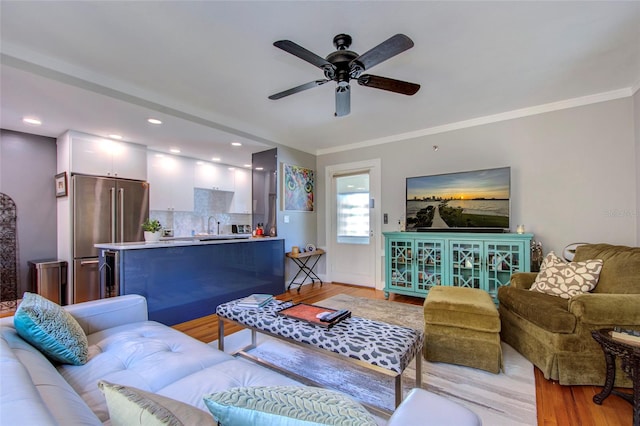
pixel 416 261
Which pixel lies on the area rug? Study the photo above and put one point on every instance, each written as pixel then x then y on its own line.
pixel 507 398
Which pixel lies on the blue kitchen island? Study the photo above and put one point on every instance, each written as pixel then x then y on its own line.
pixel 187 279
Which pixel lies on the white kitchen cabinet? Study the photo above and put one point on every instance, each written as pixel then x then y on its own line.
pixel 241 202
pixel 171 182
pixel 93 155
pixel 217 177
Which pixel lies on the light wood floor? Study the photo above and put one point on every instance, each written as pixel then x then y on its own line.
pixel 557 405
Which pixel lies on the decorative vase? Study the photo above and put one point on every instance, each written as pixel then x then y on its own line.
pixel 151 237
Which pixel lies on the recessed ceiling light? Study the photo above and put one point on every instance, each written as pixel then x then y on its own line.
pixel 259 168
pixel 118 137
pixel 236 144
pixel 248 165
pixel 200 163
pixel 215 159
pixel 154 121
pixel 232 168
pixel 31 121
pixel 175 150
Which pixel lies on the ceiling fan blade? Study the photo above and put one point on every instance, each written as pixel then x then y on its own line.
pixel 304 54
pixel 343 100
pixel 384 83
pixel 385 50
pixel 297 89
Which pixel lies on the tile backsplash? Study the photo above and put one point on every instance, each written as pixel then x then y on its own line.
pixel 210 206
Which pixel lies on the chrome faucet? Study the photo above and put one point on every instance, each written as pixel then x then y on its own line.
pixel 209 224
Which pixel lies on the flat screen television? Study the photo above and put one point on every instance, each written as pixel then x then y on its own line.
pixel 473 201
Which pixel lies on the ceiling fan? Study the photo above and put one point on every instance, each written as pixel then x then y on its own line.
pixel 344 65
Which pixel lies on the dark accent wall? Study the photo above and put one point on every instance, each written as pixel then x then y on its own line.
pixel 27 170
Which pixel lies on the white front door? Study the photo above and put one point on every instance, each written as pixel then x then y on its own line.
pixel 352 222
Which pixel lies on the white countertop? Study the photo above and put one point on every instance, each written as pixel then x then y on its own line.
pixel 185 241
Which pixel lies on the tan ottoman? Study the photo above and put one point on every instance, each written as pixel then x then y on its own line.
pixel 462 326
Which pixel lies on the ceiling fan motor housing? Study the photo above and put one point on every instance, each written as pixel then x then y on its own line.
pixel 340 60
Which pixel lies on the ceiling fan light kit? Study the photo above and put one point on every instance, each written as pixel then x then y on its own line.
pixel 344 65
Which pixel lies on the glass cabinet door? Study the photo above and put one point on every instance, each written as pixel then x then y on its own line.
pixel 503 259
pixel 429 258
pixel 401 264
pixel 466 263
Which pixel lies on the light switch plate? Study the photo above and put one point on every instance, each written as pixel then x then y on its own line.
pixel 286 218
pixel 386 219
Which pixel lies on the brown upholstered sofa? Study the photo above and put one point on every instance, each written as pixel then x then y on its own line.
pixel 555 333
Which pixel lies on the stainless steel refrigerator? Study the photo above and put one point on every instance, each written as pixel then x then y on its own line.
pixel 105 210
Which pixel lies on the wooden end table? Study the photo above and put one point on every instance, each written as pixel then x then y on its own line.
pixel 630 356
pixel 301 260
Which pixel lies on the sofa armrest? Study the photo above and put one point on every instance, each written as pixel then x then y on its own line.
pixel 523 280
pixel 421 404
pixel 97 315
pixel 606 309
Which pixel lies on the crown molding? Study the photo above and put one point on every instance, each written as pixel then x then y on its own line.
pixel 495 118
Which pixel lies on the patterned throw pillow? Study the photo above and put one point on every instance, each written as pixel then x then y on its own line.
pixel 559 278
pixel 286 406
pixel 51 329
pixel 129 406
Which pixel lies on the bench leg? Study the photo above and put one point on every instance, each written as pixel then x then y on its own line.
pixel 220 334
pixel 398 381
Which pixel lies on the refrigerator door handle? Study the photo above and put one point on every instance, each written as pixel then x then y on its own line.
pixel 112 193
pixel 88 262
pixel 121 213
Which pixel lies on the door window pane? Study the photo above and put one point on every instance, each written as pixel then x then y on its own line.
pixel 353 209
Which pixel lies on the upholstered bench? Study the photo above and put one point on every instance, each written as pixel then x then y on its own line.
pixel 462 326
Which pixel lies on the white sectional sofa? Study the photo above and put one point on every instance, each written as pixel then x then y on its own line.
pixel 127 349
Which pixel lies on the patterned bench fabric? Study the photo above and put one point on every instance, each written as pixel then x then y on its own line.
pixel 384 345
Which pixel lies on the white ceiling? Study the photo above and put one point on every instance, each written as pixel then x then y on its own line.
pixel 207 68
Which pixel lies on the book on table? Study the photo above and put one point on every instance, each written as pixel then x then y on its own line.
pixel 255 300
pixel 313 314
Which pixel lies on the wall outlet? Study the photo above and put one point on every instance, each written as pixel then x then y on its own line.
pixel 286 218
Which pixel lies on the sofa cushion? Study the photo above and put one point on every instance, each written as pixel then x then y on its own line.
pixel 562 279
pixel 33 389
pixel 620 269
pixel 549 312
pixel 236 372
pixel 129 406
pixel 146 355
pixel 286 405
pixel 51 329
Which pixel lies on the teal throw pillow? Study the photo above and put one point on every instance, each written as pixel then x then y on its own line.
pixel 129 406
pixel 51 329
pixel 286 406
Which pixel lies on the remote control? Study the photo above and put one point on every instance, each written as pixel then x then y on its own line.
pixel 335 315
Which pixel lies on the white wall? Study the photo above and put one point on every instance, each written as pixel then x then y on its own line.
pixel 573 171
pixel 636 120
pixel 301 228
